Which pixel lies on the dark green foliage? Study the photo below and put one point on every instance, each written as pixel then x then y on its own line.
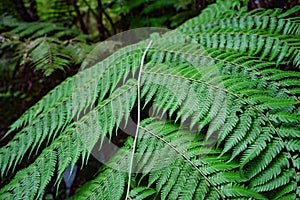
pixel 35 57
pixel 234 114
pixel 140 13
pixel 47 46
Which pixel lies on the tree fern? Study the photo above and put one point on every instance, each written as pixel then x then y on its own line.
pixel 233 128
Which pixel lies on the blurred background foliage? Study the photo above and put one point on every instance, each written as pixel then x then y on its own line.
pixel 44 42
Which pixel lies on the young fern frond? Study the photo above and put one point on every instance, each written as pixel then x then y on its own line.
pixel 234 128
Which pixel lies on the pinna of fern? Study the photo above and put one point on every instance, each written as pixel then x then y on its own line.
pixel 234 128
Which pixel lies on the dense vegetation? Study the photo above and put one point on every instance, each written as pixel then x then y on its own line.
pixel 227 81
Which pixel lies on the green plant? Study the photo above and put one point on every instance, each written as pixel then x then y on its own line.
pixel 47 47
pixel 219 72
pixel 175 12
pixel 35 57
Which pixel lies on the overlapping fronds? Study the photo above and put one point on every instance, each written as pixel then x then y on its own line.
pixel 68 100
pixel 234 115
pixel 182 172
pixel 73 141
pixel 267 34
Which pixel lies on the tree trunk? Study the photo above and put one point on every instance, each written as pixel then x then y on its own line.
pixel 79 17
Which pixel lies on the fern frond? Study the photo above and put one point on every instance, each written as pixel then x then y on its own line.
pixel 272 21
pixel 153 76
pixel 46 56
pixel 68 103
pixel 265 46
pixel 176 172
pixel 235 132
pixel 101 187
pixel 140 193
pixel 35 30
pixel 266 34
pixel 177 175
pixel 255 106
pixel 77 139
pixel 32 180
